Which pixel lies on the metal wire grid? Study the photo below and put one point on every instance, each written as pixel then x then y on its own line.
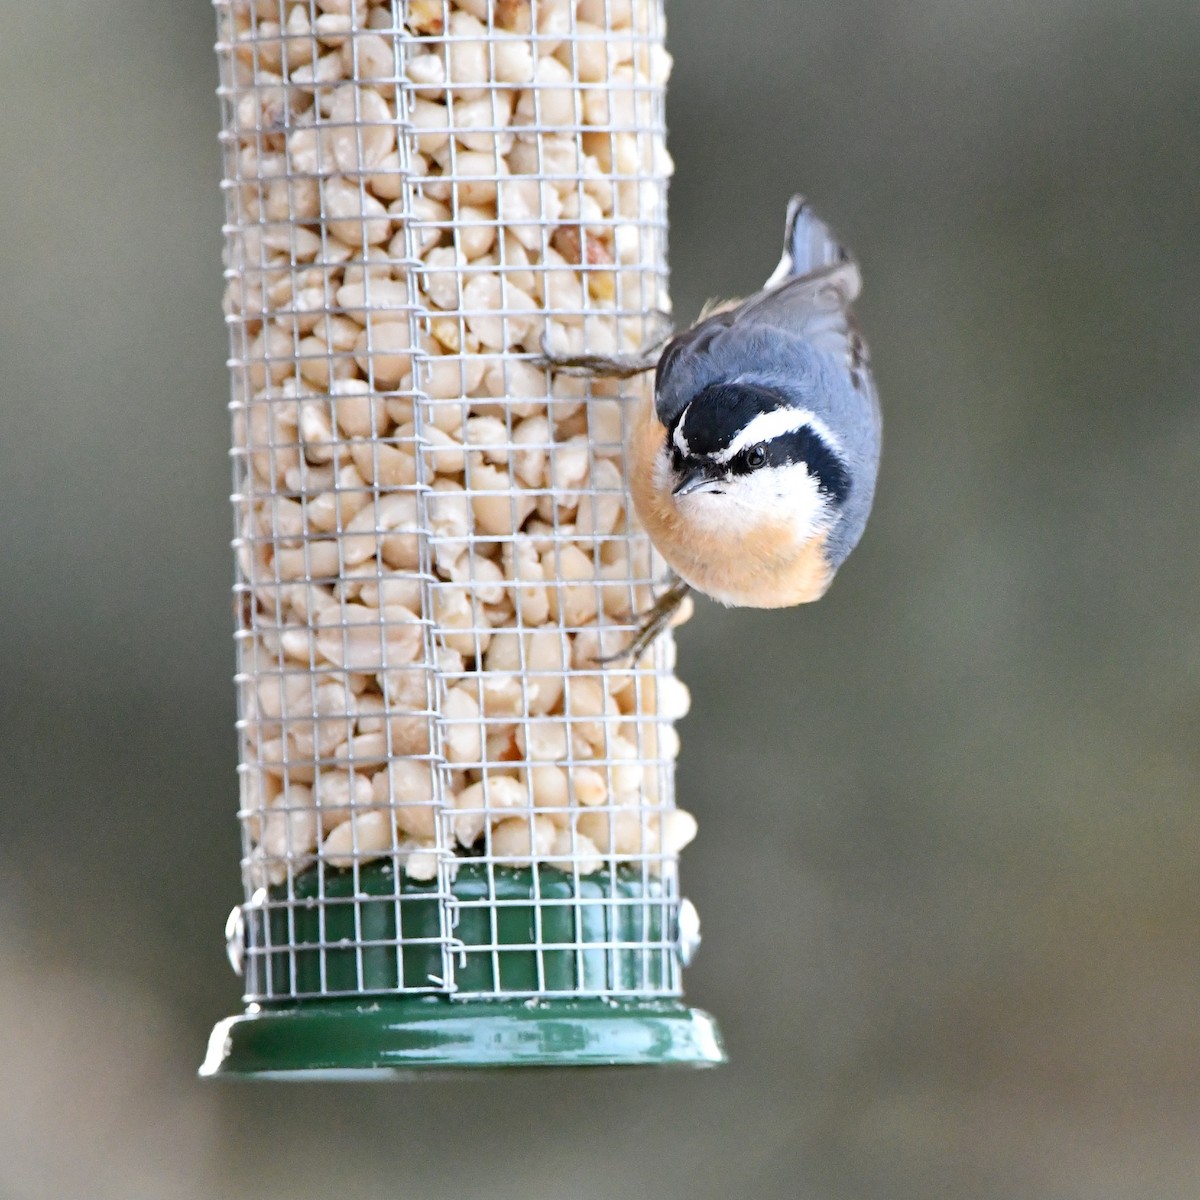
pixel 405 480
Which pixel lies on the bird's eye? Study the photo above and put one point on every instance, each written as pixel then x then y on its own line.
pixel 756 456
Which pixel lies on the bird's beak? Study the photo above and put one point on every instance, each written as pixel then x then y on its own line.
pixel 695 480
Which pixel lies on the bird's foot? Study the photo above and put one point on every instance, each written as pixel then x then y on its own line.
pixel 652 624
pixel 609 366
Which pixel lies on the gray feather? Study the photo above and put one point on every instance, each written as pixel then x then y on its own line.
pixel 809 245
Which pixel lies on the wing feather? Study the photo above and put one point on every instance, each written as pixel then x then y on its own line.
pixel 809 297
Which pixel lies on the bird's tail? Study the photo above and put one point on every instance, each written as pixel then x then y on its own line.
pixel 809 245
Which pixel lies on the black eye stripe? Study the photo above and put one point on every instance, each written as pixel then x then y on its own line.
pixel 805 446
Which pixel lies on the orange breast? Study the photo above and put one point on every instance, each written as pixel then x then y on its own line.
pixel 762 567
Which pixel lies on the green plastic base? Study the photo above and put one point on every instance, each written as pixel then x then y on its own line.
pixel 399 1037
pixel 369 933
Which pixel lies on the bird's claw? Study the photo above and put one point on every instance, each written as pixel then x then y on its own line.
pixel 610 366
pixel 652 624
pixel 593 366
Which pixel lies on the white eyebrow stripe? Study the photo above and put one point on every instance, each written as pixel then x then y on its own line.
pixel 678 438
pixel 775 423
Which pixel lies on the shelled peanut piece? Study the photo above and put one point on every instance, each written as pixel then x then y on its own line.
pixel 434 538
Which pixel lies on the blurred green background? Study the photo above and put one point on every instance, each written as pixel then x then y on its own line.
pixel 955 949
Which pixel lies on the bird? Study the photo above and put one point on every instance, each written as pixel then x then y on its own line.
pixel 753 464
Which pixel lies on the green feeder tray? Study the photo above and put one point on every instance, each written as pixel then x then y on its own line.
pixel 546 932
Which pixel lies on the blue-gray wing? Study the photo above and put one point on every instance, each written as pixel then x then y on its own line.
pixel 807 298
pixel 812 309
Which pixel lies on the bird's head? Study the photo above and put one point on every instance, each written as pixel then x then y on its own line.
pixel 741 454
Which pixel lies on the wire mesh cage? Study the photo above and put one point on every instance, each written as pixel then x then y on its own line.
pixel 460 837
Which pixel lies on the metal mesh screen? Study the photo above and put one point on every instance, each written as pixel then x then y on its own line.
pixel 433 534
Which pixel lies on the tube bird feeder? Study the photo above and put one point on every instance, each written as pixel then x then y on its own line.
pixel 460 837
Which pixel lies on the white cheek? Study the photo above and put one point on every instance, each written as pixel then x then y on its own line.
pixel 782 494
pixel 789 493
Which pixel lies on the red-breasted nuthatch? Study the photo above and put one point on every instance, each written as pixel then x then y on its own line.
pixel 753 465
